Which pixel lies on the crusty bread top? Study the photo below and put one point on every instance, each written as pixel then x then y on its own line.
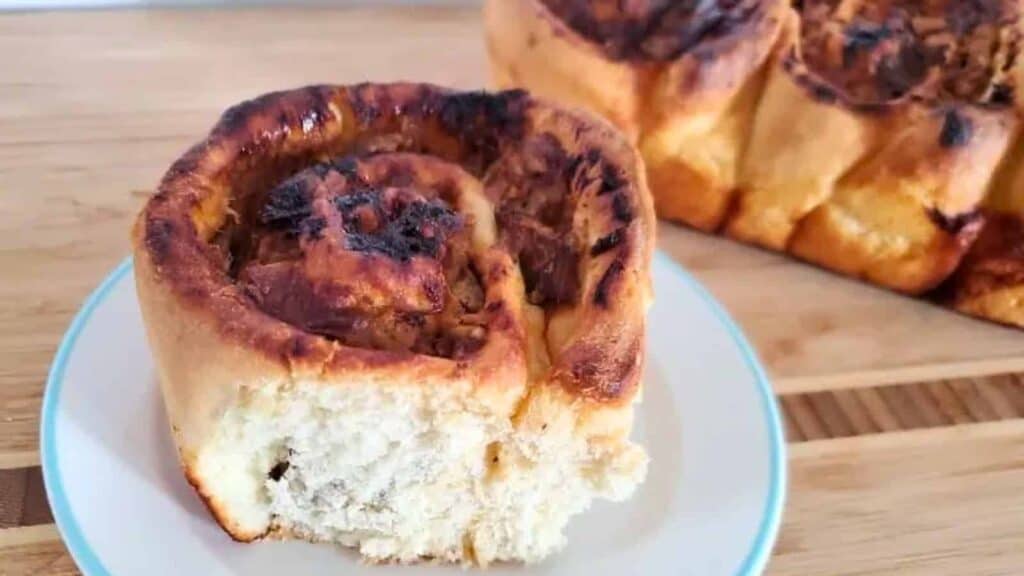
pixel 347 227
pixel 710 48
pixel 874 55
pixel 662 30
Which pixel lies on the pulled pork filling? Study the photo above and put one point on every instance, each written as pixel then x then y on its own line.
pixel 372 251
pixel 368 257
pixel 535 206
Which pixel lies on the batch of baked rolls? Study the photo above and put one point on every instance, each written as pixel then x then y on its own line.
pixel 879 139
pixel 401 319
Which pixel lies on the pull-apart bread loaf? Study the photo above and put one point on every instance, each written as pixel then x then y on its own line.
pixel 401 318
pixel 874 138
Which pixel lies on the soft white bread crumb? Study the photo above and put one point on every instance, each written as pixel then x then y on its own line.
pixel 407 473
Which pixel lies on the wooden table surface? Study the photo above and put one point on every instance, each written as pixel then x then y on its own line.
pixel 905 421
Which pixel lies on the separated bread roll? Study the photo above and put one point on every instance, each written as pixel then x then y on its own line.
pixel 877 135
pixel 680 78
pixel 863 136
pixel 402 319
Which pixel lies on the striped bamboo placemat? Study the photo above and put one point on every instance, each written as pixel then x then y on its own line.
pixel 874 410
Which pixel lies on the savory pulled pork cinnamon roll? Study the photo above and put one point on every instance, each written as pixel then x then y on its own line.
pixel 402 319
pixel 680 78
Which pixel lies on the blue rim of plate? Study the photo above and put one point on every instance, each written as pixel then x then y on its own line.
pixel 90 564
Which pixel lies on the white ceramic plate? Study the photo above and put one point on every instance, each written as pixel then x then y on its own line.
pixel 711 504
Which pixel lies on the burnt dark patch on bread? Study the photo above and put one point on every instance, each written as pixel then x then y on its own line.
pixel 1002 95
pixel 287 206
pixel 824 94
pixel 503 111
pixel 956 130
pixel 611 178
pixel 607 281
pixel 592 169
pixel 608 241
pixel 278 470
pixel 956 224
pixel 313 227
pixel 930 52
pixel 401 229
pixel 622 207
pixel 658 30
pixel 481 121
pixel 347 204
pixel 159 238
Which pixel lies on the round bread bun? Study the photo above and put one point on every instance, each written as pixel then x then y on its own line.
pixel 401 318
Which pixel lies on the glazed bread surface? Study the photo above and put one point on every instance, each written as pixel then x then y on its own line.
pixel 874 138
pixel 402 319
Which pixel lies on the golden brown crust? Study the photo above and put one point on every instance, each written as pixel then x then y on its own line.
pixel 259 143
pixel 218 510
pixel 860 136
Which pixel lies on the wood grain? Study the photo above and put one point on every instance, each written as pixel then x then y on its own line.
pixel 34 551
pixel 922 502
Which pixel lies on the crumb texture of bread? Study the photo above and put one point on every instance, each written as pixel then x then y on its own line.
pixel 877 139
pixel 402 319
pixel 408 475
